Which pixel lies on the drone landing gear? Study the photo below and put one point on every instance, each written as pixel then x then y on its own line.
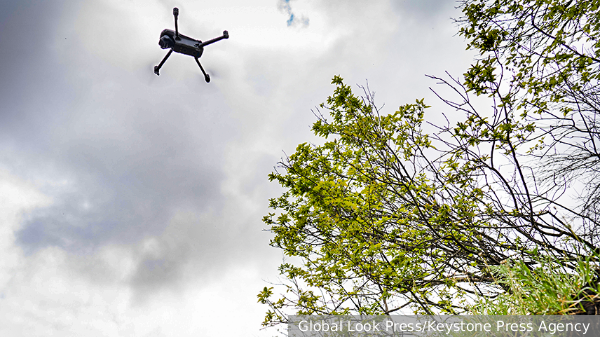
pixel 157 68
pixel 206 77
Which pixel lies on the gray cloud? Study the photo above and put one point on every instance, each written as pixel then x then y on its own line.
pixel 128 169
pixel 120 155
pixel 426 10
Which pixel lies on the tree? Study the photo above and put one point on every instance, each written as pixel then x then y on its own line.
pixel 544 56
pixel 385 216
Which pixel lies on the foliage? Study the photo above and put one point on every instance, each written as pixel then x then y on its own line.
pixel 385 216
pixel 546 289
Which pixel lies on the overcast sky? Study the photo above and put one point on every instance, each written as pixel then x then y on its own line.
pixel 130 203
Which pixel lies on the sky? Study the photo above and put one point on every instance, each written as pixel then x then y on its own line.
pixel 130 203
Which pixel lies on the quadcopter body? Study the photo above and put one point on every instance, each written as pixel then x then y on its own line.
pixel 182 44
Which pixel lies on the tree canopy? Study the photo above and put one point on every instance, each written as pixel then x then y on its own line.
pixel 387 216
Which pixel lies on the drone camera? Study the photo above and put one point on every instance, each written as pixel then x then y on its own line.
pixel 166 42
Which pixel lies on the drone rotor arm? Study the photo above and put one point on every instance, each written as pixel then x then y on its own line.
pixel 206 77
pixel 224 36
pixel 176 14
pixel 157 68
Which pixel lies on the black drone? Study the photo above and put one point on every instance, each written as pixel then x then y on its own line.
pixel 184 45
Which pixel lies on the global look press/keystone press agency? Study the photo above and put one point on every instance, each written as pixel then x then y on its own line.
pixel 434 326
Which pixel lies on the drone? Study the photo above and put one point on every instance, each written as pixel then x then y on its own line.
pixel 184 45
